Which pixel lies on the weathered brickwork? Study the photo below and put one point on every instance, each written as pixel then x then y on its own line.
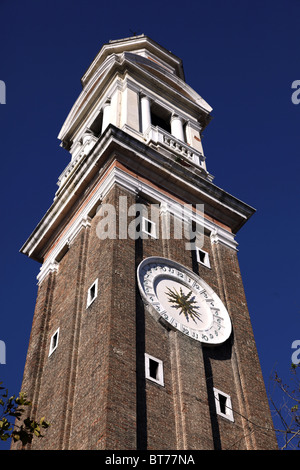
pixel 233 367
pixel 93 388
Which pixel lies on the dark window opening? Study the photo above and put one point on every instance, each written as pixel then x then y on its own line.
pixel 160 122
pixel 54 340
pixel 93 292
pixel 201 256
pixel 222 401
pixel 160 117
pixel 148 226
pixel 153 369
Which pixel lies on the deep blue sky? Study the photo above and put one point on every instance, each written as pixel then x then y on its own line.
pixel 241 57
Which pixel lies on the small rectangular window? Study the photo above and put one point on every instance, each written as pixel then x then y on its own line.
pixel 202 257
pixel 92 293
pixel 53 342
pixel 149 227
pixel 154 369
pixel 223 404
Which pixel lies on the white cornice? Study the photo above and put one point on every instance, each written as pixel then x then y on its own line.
pixel 132 44
pixel 132 184
pixel 51 264
pixel 118 145
pixel 51 267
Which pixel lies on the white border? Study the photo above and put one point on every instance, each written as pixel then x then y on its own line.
pixel 229 414
pixel 51 348
pixel 153 227
pixel 160 371
pixel 90 300
pixel 206 261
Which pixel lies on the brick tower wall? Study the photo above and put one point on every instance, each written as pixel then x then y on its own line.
pixel 93 389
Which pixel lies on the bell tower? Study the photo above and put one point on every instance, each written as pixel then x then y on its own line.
pixel 141 337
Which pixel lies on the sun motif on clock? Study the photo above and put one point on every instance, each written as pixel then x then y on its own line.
pixel 185 303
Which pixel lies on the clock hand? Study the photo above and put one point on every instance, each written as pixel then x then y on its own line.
pixel 183 302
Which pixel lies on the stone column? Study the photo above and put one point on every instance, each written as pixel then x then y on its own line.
pixel 106 115
pixel 146 113
pixel 177 127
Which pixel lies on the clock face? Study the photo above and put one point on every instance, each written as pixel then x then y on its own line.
pixel 183 300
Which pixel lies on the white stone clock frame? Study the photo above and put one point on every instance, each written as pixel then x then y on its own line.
pixel 216 327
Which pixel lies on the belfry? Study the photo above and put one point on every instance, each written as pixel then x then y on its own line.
pixel 141 337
